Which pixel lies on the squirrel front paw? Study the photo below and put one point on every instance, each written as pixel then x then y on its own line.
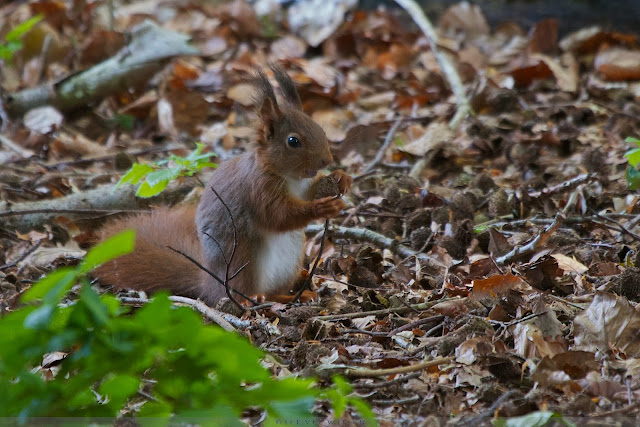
pixel 328 207
pixel 343 179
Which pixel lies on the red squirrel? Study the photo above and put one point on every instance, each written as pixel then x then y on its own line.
pixel 269 191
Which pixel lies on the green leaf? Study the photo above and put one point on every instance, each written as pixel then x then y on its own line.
pixel 534 419
pixel 633 178
pixel 120 387
pixel 53 286
pixel 92 301
pixel 5 53
pixel 163 175
pixel 155 409
pixel 365 411
pixel 135 174
pixel 206 165
pixel 299 409
pixel 633 156
pixel 9 49
pixel 122 121
pixel 23 28
pixel 632 140
pixel 146 191
pixel 480 228
pixel 40 317
pixel 120 244
pixel 195 153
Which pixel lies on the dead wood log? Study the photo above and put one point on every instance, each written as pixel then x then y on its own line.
pixel 82 205
pixel 150 49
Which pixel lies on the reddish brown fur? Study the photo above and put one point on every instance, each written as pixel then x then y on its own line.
pixel 256 186
pixel 146 267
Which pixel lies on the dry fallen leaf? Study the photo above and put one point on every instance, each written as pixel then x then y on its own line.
pixel 562 370
pixel 242 93
pixel 43 119
pixel 566 76
pixel 496 285
pixel 315 20
pixel 618 64
pixel 544 36
pixel 464 17
pixel 472 349
pixel 570 265
pixel 288 47
pixel 436 135
pixel 609 324
pixel 46 257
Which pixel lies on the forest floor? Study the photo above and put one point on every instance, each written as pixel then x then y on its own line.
pixel 505 247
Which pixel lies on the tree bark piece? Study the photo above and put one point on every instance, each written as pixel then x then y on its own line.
pixel 149 50
pixel 106 197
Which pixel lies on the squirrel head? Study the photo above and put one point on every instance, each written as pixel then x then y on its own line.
pixel 290 143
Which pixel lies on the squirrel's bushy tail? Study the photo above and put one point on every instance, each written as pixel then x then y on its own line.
pixel 152 266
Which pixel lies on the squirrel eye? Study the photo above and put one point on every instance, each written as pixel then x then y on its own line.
pixel 293 142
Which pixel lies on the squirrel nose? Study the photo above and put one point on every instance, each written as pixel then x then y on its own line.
pixel 326 160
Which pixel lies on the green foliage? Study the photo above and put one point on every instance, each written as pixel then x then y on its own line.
pixel 269 27
pixel 189 368
pixel 340 397
pixel 157 176
pixel 534 419
pixel 122 121
pixel 633 157
pixel 12 42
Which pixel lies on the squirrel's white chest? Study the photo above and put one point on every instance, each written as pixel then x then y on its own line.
pixel 280 259
pixel 299 187
pixel 280 254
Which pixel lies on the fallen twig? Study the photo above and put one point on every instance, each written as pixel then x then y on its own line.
pixel 543 236
pixel 383 384
pixel 516 321
pixel 489 412
pixel 391 402
pixel 399 310
pixel 564 301
pixel 379 240
pixel 307 283
pixel 22 257
pixel 226 321
pixel 534 245
pixel 563 187
pixel 621 227
pixel 210 313
pixel 24 152
pixel 448 69
pixel 430 319
pixel 383 149
pixel 364 372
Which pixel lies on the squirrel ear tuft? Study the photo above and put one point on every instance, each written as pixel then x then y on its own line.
pixel 269 114
pixel 267 105
pixel 287 86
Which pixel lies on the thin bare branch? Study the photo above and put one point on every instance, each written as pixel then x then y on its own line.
pixel 383 149
pixel 307 283
pixel 448 69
